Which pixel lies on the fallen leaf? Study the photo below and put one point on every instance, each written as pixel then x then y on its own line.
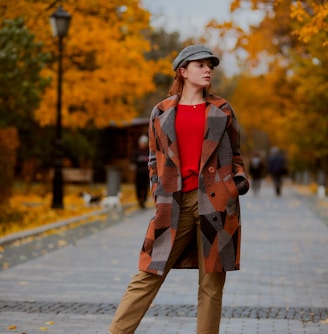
pixel 5 265
pixel 50 323
pixel 11 327
pixel 23 283
pixel 43 328
pixel 61 243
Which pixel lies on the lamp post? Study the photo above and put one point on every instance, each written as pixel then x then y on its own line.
pixel 59 21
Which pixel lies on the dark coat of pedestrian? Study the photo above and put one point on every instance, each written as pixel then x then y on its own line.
pixel 277 167
pixel 140 163
pixel 256 171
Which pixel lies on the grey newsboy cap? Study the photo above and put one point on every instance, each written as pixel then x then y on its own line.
pixel 194 52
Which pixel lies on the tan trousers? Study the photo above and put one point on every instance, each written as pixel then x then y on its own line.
pixel 144 286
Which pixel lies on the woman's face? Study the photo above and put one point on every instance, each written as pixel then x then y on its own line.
pixel 198 73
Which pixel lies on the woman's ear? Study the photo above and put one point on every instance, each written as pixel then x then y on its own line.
pixel 183 72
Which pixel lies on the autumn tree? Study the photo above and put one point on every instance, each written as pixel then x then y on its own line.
pixel 21 88
pixel 311 78
pixel 312 16
pixel 21 85
pixel 104 68
pixel 283 88
pixel 105 71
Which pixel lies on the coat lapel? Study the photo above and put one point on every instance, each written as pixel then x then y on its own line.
pixel 215 125
pixel 165 127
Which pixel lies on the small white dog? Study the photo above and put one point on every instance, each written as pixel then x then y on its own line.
pixel 90 199
pixel 112 202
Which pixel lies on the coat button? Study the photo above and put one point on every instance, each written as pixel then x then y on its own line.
pixel 212 194
pixel 211 169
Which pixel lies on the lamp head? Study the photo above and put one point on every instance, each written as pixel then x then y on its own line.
pixel 60 21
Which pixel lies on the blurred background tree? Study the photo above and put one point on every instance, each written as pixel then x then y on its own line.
pixel 21 88
pixel 104 68
pixel 108 73
pixel 21 83
pixel 282 89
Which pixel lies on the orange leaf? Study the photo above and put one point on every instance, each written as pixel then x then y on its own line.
pixel 12 327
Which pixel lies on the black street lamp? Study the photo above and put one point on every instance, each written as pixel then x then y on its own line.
pixel 59 21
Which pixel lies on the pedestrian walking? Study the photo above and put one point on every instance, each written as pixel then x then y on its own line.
pixel 140 163
pixel 196 173
pixel 256 169
pixel 277 168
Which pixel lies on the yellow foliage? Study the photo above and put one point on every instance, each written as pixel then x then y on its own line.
pixel 283 89
pixel 261 106
pixel 235 4
pixel 104 69
pixel 312 15
pixel 34 208
pixel 312 23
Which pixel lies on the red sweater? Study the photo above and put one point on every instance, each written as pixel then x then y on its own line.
pixel 189 126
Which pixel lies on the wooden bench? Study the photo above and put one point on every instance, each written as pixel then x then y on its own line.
pixel 76 175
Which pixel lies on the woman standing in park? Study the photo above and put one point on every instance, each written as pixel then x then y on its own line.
pixel 196 173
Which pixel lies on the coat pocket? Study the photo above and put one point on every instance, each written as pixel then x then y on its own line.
pixel 230 185
pixel 228 181
pixel 220 192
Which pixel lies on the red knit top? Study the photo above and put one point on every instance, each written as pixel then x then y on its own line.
pixel 189 126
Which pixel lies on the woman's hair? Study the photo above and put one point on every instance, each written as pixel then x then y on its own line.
pixel 177 85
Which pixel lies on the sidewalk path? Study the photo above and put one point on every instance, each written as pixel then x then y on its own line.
pixel 282 286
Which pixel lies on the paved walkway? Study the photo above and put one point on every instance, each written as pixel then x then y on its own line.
pixel 282 287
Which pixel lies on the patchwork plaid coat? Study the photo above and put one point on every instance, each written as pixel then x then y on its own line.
pixel 218 203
